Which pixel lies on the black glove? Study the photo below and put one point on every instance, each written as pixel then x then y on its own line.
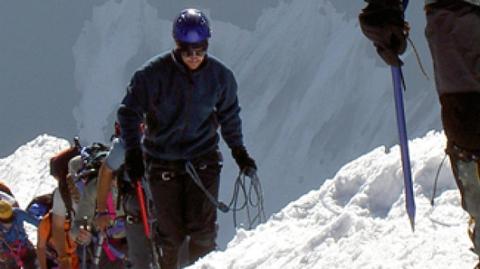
pixel 244 161
pixel 134 164
pixel 382 22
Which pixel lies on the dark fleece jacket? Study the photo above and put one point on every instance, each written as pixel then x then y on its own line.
pixel 182 109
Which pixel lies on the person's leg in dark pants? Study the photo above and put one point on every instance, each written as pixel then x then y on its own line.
pixel 453 36
pixel 201 213
pixel 168 194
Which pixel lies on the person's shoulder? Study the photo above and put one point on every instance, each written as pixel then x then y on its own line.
pixel 217 63
pixel 116 142
pixel 19 213
pixel 17 210
pixel 116 155
pixel 57 200
pixel 219 67
pixel 154 67
pixel 119 141
pixel 56 191
pixel 159 61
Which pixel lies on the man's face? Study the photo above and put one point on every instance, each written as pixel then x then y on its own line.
pixel 193 58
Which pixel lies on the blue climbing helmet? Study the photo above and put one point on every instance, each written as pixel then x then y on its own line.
pixel 191 26
pixel 40 205
pixel 38 210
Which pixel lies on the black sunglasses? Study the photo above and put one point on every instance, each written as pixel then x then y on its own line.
pixel 193 52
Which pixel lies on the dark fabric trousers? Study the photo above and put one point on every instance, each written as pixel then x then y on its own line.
pixel 183 208
pixel 453 34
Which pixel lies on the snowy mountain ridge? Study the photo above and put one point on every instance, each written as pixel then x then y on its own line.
pixel 27 171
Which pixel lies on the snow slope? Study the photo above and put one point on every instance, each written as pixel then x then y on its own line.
pixel 357 220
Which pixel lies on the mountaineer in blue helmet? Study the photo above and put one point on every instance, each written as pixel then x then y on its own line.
pixel 183 97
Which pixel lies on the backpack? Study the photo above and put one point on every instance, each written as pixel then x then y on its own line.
pixel 39 207
pixel 93 157
pixel 44 236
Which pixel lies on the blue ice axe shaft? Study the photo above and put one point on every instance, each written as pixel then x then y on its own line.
pixel 402 135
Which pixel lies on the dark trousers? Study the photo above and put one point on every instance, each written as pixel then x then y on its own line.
pixel 454 36
pixel 183 208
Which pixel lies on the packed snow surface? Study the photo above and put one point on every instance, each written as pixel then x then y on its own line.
pixel 358 220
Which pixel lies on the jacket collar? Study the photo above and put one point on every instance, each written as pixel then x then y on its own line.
pixel 177 59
